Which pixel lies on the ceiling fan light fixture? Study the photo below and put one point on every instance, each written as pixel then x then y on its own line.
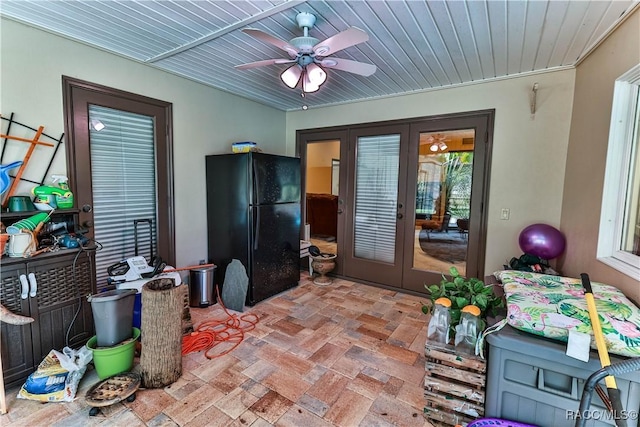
pixel 316 74
pixel 313 77
pixel 434 147
pixel 291 76
pixel 442 146
pixel 308 55
pixel 308 86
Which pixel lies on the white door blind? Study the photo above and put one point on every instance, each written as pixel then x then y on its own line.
pixel 376 197
pixel 124 185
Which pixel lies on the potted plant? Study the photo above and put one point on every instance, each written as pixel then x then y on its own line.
pixel 462 292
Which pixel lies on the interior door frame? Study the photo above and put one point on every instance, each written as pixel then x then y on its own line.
pixel 303 138
pixel 480 187
pixel 77 95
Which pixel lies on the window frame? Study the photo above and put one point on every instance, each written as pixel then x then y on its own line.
pixel 623 134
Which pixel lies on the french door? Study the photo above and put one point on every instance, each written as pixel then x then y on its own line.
pixel 448 189
pixel 376 204
pixel 412 195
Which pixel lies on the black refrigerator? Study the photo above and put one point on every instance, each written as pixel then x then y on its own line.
pixel 253 215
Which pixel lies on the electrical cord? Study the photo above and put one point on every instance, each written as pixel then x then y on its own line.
pixel 84 248
pixel 212 333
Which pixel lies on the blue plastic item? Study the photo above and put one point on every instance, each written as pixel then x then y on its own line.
pixel 5 180
pixel 137 310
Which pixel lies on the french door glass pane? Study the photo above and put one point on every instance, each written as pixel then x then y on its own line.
pixel 124 185
pixel 443 200
pixel 376 197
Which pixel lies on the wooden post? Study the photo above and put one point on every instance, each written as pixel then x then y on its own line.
pixel 161 325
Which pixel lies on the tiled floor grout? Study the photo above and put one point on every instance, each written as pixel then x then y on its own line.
pixel 345 354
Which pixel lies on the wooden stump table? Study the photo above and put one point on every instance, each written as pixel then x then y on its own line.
pixel 161 324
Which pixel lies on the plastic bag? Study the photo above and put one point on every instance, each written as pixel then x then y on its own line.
pixel 57 376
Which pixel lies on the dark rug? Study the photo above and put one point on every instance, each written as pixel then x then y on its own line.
pixel 324 237
pixel 449 247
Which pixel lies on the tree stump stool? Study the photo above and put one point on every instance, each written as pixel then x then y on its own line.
pixel 161 323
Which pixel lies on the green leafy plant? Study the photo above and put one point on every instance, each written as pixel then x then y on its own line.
pixel 457 182
pixel 462 292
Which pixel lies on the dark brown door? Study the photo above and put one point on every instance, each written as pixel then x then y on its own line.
pixel 448 188
pixel 81 100
pixel 375 204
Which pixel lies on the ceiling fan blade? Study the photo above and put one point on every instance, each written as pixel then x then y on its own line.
pixel 342 40
pixel 263 63
pixel 267 38
pixel 349 66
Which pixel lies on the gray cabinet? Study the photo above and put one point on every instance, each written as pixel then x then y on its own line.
pixel 531 380
pixel 51 288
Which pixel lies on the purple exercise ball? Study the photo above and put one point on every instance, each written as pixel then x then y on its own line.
pixel 542 240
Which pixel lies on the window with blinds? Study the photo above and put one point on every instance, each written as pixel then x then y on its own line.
pixel 376 197
pixel 124 186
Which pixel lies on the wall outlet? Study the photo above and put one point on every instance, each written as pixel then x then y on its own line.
pixel 504 213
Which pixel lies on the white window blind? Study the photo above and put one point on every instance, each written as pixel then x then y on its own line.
pixel 124 186
pixel 376 197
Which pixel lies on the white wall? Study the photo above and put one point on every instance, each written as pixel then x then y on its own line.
pixel 529 153
pixel 205 120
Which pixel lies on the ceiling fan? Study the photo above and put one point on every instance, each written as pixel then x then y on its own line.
pixel 437 142
pixel 309 56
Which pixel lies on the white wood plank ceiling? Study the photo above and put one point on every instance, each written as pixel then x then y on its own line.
pixel 416 45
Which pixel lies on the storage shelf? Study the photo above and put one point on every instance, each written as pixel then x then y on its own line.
pixel 14 216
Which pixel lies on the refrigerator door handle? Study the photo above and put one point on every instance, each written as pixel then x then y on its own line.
pixel 256 230
pixel 256 184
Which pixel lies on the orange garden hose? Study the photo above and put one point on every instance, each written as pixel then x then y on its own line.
pixel 212 333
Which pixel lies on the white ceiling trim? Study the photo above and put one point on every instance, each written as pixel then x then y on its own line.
pixel 240 24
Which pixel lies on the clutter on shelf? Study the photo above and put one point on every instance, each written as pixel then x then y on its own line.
pixel 11 136
pixel 29 232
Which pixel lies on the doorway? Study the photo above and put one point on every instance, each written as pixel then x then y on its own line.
pixel 119 162
pixel 321 156
pixel 411 198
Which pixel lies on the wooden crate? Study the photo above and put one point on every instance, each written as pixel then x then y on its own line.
pixel 454 385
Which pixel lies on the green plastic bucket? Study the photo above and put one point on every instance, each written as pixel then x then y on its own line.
pixel 113 360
